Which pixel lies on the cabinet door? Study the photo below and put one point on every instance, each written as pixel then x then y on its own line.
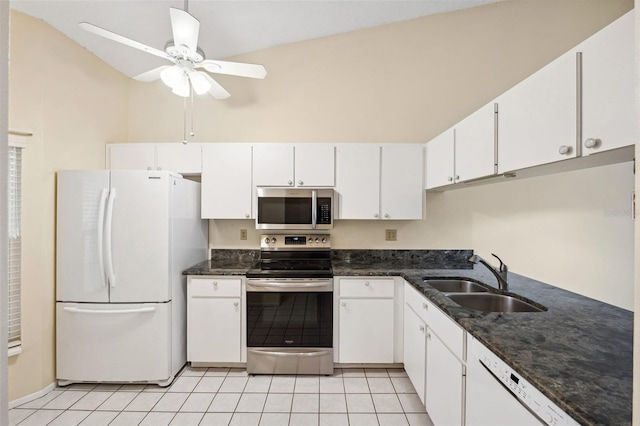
pixel 131 156
pixel 273 165
pixel 401 186
pixel 180 158
pixel 214 329
pixel 439 160
pixel 444 384
pixel 315 165
pixel 608 103
pixel 475 149
pixel 366 331
pixel 226 181
pixel 538 117
pixel 358 181
pixel 415 351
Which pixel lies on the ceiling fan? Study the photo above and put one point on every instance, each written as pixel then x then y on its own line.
pixel 187 59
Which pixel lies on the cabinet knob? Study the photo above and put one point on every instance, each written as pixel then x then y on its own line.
pixel 425 306
pixel 375 215
pixel 159 168
pixel 300 182
pixel 148 168
pixel 246 215
pixel 215 283
pixel 450 178
pixel 343 304
pixel 428 335
pixel 422 328
pixel 290 182
pixel 235 304
pixel 564 150
pixel 457 178
pixel 386 215
pixel 592 143
pixel 366 283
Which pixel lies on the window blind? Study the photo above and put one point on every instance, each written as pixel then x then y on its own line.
pixel 15 245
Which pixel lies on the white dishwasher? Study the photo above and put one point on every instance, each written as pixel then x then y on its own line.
pixel 497 396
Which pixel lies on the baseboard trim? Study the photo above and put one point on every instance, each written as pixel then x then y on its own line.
pixel 32 397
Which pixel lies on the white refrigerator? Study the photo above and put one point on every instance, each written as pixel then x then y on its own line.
pixel 123 239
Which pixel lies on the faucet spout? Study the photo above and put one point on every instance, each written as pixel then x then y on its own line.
pixel 500 273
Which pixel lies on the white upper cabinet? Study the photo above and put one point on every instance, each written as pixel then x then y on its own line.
pixel 131 156
pixel 358 181
pixel 475 144
pixel 179 157
pixel 608 99
pixel 538 117
pixel 315 165
pixel 288 165
pixel 439 160
pixel 175 157
pixel 402 180
pixel 226 181
pixel 379 182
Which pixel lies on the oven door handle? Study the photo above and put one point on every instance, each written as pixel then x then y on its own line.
pixel 288 354
pixel 279 284
pixel 314 209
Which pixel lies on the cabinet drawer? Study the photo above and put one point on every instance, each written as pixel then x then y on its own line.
pixel 416 301
pixel 366 288
pixel 216 287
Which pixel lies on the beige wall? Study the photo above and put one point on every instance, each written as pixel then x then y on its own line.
pixel 416 79
pixel 73 103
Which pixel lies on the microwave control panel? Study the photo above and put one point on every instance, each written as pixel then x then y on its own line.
pixel 324 211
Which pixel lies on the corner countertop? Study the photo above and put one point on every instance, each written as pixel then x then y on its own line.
pixel 579 352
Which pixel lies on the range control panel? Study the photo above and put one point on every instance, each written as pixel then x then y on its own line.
pixel 541 406
pixel 293 242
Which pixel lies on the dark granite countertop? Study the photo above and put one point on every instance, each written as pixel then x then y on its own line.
pixel 579 352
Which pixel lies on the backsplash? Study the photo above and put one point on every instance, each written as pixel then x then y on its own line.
pixel 422 259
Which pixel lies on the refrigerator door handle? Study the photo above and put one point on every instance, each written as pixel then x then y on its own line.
pixel 108 227
pixel 101 212
pixel 111 311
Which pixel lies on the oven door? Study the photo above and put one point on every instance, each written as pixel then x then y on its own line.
pixel 294 209
pixel 290 326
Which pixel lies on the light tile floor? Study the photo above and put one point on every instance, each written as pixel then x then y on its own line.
pixel 223 396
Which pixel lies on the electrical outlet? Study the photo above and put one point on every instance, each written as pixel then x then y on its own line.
pixel 243 234
pixel 391 234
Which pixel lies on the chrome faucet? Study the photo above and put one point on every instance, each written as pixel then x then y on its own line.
pixel 500 273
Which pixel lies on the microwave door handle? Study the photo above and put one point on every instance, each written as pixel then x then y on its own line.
pixel 314 209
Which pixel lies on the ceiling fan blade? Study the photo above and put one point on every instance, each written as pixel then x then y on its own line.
pixel 123 40
pixel 185 29
pixel 151 75
pixel 216 90
pixel 233 68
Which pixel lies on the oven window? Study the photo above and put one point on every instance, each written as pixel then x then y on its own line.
pixel 284 210
pixel 290 319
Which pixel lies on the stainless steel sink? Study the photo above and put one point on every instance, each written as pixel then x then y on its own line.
pixel 491 302
pixel 454 285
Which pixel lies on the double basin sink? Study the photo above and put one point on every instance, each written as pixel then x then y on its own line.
pixel 476 296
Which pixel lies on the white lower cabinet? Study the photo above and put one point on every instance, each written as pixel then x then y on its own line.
pixel 366 318
pixel 215 320
pixel 434 358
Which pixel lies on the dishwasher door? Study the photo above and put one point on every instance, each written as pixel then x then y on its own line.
pixel 489 403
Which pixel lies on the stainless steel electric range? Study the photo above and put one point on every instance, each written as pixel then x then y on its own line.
pixel 290 306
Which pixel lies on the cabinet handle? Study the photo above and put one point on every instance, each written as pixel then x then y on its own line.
pixel 422 328
pixel 428 335
pixel 300 182
pixel 425 306
pixel 457 178
pixel 592 143
pixel 375 215
pixel 290 182
pixel 450 178
pixel 564 150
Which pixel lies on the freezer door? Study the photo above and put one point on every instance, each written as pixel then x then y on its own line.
pixel 81 199
pixel 113 342
pixel 138 229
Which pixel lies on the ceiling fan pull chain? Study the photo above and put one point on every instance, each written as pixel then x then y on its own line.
pixel 192 134
pixel 184 121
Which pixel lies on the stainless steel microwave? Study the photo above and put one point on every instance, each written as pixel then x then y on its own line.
pixel 294 209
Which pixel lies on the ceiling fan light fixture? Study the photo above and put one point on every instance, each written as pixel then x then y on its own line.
pixel 182 88
pixel 199 83
pixel 172 76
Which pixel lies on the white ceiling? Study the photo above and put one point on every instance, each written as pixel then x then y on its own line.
pixel 227 28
